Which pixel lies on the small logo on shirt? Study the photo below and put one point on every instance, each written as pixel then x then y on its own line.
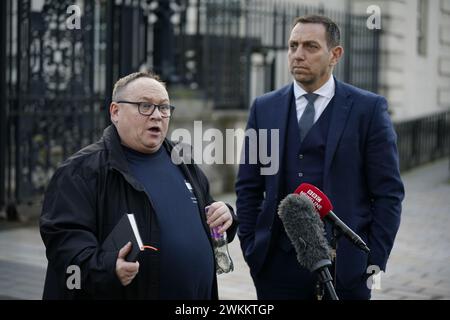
pixel 193 197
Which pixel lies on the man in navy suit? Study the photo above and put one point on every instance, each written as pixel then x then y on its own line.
pixel 332 135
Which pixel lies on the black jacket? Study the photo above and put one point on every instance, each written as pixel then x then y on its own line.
pixel 85 199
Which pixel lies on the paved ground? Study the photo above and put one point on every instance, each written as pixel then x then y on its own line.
pixel 419 267
pixel 22 263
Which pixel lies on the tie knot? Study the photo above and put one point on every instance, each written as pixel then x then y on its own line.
pixel 311 97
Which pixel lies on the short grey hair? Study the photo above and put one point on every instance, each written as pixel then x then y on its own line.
pixel 124 81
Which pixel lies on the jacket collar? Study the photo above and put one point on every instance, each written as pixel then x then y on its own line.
pixel 280 113
pixel 115 157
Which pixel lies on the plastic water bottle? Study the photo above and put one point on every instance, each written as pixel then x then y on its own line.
pixel 224 264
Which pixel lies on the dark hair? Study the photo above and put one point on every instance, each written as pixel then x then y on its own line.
pixel 332 31
pixel 123 82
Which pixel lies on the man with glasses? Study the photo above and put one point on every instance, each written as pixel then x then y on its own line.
pixel 129 170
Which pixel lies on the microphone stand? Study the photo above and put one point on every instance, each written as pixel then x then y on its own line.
pixel 335 235
pixel 324 274
pixel 326 280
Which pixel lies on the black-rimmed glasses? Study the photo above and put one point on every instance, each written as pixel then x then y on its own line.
pixel 147 109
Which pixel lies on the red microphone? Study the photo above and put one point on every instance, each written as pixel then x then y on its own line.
pixel 323 206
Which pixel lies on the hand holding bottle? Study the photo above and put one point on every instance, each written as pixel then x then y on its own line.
pixel 219 220
pixel 218 215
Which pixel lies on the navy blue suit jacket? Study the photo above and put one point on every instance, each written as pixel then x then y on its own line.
pixel 361 177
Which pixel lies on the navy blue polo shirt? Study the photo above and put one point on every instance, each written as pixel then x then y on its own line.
pixel 186 257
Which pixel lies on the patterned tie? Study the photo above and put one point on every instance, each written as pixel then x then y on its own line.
pixel 307 119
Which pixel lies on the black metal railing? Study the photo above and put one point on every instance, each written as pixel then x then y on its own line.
pixel 53 100
pixel 228 33
pixel 423 140
pixel 56 83
pixel 3 119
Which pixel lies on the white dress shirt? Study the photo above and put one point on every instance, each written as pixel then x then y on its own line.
pixel 325 92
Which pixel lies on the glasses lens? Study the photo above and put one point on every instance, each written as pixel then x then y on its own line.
pixel 164 109
pixel 146 108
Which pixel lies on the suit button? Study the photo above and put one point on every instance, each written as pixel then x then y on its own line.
pixel 300 156
pixel 300 174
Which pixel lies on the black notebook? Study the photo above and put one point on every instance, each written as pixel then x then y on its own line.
pixel 126 230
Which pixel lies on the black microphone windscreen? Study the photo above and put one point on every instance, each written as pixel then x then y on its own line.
pixel 305 230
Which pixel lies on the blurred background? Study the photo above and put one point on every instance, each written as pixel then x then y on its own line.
pixel 60 59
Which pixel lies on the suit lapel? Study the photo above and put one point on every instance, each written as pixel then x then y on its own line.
pixel 341 109
pixel 279 114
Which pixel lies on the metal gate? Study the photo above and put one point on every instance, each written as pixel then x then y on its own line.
pixel 53 101
pixel 56 78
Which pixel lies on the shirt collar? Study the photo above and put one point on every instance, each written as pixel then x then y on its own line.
pixel 327 90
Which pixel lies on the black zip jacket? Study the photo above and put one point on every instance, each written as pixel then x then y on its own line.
pixel 85 198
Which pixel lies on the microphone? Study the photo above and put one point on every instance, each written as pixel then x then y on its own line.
pixel 306 232
pixel 323 207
